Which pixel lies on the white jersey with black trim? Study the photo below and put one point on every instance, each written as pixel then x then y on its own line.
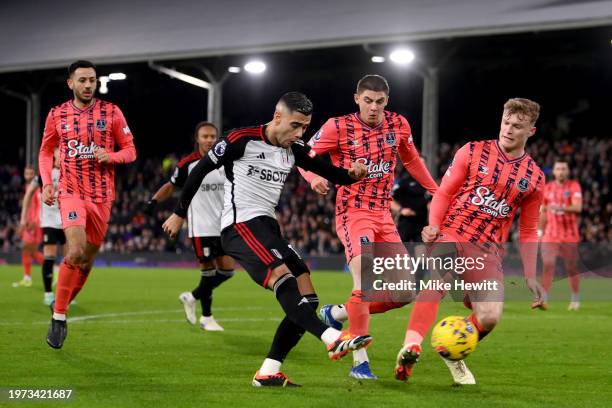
pixel 50 216
pixel 204 213
pixel 256 172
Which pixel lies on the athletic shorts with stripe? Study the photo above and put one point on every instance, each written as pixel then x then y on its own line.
pixel 207 248
pixel 258 246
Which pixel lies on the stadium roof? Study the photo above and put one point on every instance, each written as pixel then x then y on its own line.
pixel 49 34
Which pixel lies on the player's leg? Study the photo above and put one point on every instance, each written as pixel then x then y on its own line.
pixel 27 252
pixel 248 243
pixel 207 268
pixel 287 336
pixel 570 259
pixel 50 252
pixel 550 251
pixel 224 269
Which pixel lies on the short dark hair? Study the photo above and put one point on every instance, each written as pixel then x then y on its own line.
pixel 201 125
pixel 372 82
pixel 80 64
pixel 561 161
pixel 297 102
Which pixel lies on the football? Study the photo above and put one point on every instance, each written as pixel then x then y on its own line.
pixel 454 338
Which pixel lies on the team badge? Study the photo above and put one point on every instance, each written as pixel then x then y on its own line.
pixel 566 194
pixel 206 251
pixel 523 185
pixel 220 148
pixel 101 124
pixel 72 215
pixel 364 240
pixel 390 138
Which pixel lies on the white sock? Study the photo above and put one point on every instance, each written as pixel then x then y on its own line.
pixel 575 297
pixel 359 356
pixel 27 277
pixel 190 297
pixel 330 335
pixel 270 367
pixel 545 297
pixel 48 293
pixel 338 312
pixel 59 316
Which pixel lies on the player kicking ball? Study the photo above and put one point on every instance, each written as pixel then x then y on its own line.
pixel 204 226
pixel 480 194
pixel 257 161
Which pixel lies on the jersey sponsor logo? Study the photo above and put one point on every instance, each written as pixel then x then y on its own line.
pixel 220 148
pixel 72 215
pixel 76 148
pixel 101 124
pixel 390 138
pixel 523 185
pixel 488 203
pixel 267 175
pixel 375 170
pixel 211 187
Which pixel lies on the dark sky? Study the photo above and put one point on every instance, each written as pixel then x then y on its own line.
pixel 568 72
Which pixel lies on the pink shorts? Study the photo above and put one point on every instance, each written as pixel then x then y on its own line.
pixel 355 226
pixel 93 217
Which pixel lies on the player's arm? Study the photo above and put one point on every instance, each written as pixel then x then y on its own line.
pixel 126 152
pixel 45 158
pixel 451 182
pixel 542 220
pixel 412 162
pixel 307 159
pixel 528 241
pixel 576 205
pixel 179 176
pixel 27 201
pixel 324 141
pixel 220 152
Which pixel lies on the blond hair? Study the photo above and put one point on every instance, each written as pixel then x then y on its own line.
pixel 523 107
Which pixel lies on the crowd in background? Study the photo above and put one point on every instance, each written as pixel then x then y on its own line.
pixel 307 219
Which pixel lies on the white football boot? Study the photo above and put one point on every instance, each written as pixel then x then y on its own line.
pixel 189 304
pixel 460 372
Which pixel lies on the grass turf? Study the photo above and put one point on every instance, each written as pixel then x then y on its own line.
pixel 130 345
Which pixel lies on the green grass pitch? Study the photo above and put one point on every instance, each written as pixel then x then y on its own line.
pixel 131 346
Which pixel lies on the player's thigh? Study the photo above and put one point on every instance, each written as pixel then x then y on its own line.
pixel 354 229
pixel 98 215
pixel 204 251
pixel 50 250
pixel 225 262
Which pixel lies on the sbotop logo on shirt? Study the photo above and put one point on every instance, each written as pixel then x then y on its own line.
pixel 76 148
pixel 375 170
pixel 489 204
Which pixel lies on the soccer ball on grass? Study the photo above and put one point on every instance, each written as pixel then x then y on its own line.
pixel 454 338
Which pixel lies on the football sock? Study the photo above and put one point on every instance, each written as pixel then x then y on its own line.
pixel 63 290
pixel 59 316
pixel 482 332
pixel 270 366
pixel 288 334
pixel 423 315
pixel 208 282
pixel 26 261
pixel 573 277
pixel 197 292
pixel 47 273
pixel 78 281
pixel 358 314
pixel 360 356
pixel 382 307
pixel 39 257
pixel 296 307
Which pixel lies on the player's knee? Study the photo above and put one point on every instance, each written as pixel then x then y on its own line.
pixel 277 273
pixel 75 254
pixel 489 318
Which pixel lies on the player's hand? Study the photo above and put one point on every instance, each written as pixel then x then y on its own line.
pixel 149 207
pixel 320 185
pixel 173 225
pixel 48 194
pixel 101 155
pixel 538 292
pixel 357 171
pixel 407 212
pixel 430 233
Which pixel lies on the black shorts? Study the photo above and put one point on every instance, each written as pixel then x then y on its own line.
pixel 258 246
pixel 207 248
pixel 53 236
